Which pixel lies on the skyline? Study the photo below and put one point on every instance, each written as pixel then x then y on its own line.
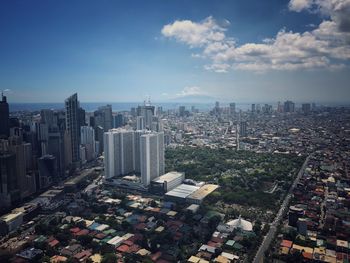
pixel 174 52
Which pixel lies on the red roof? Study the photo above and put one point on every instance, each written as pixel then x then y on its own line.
pixel 307 255
pixel 83 254
pixel 82 232
pixel 123 248
pixel 53 243
pixel 128 242
pixel 75 229
pixel 286 243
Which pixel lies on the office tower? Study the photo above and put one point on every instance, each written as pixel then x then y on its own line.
pixel 81 117
pixel 72 126
pixel 243 129
pixel 146 111
pixel 118 152
pixel 182 110
pixel 118 120
pixel 9 190
pixel 17 147
pixel 306 108
pixel 4 118
pixel 258 108
pixel 253 108
pixel 48 117
pixel 42 131
pixel 193 109
pixel 133 112
pixel 99 138
pixel 67 149
pixel 152 157
pixel 137 150
pixel 279 107
pixel 28 153
pixel 159 111
pixel 232 109
pixel 289 106
pixel 140 123
pixel 47 165
pixel 87 139
pixel 103 117
pixel 56 147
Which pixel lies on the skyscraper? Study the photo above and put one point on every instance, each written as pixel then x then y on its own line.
pixel 232 109
pixel 152 156
pixel 289 106
pixel 147 111
pixel 243 129
pixel 72 126
pixel 4 118
pixel 118 120
pixel 118 152
pixel 87 139
pixel 103 117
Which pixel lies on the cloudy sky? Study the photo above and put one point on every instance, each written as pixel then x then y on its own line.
pixel 111 51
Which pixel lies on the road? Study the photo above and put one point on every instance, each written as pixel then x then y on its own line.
pixel 259 257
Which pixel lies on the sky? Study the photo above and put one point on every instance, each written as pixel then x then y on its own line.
pixel 128 51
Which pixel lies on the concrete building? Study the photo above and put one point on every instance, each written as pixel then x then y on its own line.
pixel 73 127
pixel 146 111
pixel 140 123
pixel 119 152
pixel 12 221
pixel 4 118
pixel 166 182
pixel 87 139
pixel 152 156
pixel 103 117
pixel 289 106
pixel 48 174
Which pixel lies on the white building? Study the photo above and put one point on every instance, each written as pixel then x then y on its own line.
pixel 152 156
pixel 87 139
pixel 118 152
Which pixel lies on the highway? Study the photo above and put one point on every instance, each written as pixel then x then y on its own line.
pixel 259 257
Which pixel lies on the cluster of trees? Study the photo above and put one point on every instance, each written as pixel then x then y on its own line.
pixel 250 172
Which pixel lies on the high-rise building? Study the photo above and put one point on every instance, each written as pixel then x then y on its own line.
pixel 253 108
pixel 103 117
pixel 118 120
pixel 152 157
pixel 232 109
pixel 306 108
pixel 243 129
pixel 289 106
pixel 99 138
pixel 72 126
pixel 4 118
pixel 147 111
pixel 182 111
pixel 9 190
pixel 47 171
pixel 140 123
pixel 118 152
pixel 87 139
pixel 48 117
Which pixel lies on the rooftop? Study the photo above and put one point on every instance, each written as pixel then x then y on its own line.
pixel 168 177
pixel 182 191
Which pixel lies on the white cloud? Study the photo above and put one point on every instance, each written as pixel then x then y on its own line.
pixel 326 46
pixel 195 34
pixel 190 91
pixel 299 5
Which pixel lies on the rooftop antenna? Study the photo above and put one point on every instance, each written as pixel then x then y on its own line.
pixel 4 90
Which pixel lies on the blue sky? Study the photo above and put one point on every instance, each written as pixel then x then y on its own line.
pixel 110 51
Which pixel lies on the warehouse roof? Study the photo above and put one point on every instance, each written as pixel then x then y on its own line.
pixel 168 177
pixel 202 192
pixel 182 191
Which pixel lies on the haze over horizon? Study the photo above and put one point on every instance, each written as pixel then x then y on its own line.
pixel 126 51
